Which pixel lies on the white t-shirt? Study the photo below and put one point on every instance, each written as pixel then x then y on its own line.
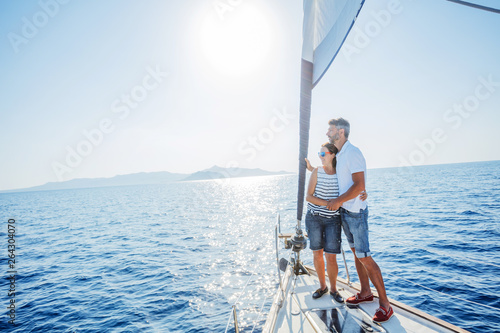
pixel 350 160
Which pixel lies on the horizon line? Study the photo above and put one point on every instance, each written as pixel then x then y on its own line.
pixel 12 190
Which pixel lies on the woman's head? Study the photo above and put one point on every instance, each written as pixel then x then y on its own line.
pixel 327 154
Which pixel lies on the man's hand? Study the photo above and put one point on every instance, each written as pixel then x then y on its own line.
pixel 363 196
pixel 333 204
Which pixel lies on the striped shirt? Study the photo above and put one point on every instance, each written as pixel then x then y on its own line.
pixel 327 187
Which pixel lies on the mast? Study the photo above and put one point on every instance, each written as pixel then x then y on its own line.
pixel 326 26
pixel 306 87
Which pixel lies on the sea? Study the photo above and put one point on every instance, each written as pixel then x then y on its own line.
pixel 176 257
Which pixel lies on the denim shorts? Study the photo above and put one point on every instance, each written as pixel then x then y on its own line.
pixel 324 232
pixel 355 227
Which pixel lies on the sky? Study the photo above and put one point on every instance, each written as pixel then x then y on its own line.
pixel 102 88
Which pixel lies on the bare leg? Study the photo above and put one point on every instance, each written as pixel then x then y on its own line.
pixel 333 270
pixel 363 276
pixel 375 275
pixel 319 265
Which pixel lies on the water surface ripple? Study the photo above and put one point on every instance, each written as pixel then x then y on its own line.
pixel 175 257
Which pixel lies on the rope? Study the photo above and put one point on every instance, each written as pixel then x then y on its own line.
pixel 440 292
pixel 436 252
pixel 228 320
pixel 235 303
pixel 473 5
pixel 260 314
pixel 444 255
pixel 293 297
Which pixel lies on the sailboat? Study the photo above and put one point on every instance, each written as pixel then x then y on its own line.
pixel 294 310
pixel 326 25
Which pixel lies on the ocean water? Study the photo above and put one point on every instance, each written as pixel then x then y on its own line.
pixel 176 257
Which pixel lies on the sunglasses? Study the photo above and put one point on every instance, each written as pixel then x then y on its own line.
pixel 322 153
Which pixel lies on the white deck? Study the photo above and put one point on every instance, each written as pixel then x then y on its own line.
pixel 301 313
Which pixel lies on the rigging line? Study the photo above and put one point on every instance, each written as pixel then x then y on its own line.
pixel 228 320
pixel 311 322
pixel 436 252
pixel 235 303
pixel 260 314
pixel 437 291
pixel 442 254
pixel 473 5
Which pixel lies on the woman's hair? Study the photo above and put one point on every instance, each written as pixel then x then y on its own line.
pixel 332 149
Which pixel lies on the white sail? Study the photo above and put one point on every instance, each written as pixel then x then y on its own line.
pixel 326 25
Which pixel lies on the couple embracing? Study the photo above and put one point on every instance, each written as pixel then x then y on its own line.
pixel 336 196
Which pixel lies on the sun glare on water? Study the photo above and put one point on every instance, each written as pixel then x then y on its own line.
pixel 237 43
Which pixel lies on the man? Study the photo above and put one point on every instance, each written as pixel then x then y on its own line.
pixel 351 171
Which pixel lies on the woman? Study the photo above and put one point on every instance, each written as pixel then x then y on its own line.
pixel 324 226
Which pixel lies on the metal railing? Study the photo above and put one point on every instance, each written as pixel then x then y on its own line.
pixel 276 228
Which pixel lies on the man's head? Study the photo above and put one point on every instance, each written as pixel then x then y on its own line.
pixel 338 130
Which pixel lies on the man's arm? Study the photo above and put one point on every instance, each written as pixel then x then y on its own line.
pixel 359 185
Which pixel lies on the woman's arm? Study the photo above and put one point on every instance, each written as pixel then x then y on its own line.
pixel 308 165
pixel 310 190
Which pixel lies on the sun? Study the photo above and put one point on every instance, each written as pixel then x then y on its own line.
pixel 237 43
